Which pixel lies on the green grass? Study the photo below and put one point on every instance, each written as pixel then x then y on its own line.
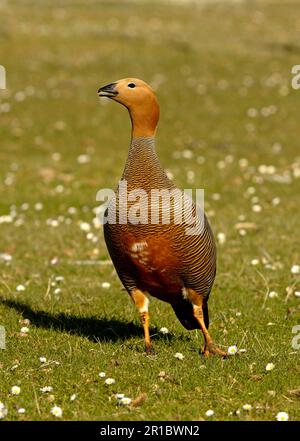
pixel 212 63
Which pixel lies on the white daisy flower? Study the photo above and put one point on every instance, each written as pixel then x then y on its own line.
pixel 102 374
pixel 84 226
pixel 72 210
pixel 6 219
pixel 38 206
pixel 56 411
pixel 252 112
pixel 5 257
pixel 297 293
pixel 221 165
pixel 46 389
pixel 20 288
pixel 247 407
pixel 21 410
pixel 73 397
pixel 119 396
pixel 96 220
pixel 243 162
pixel 232 350
pixel 125 401
pixel 256 208
pixel 273 294
pixel 164 331
pixel 15 390
pixel 53 223
pixel 43 359
pixel 190 176
pixel 251 190
pixel 25 206
pixel 24 330
pixel 59 188
pixel 221 238
pixel 60 125
pixel 275 201
pixel 105 285
pixel 209 413
pixel 255 262
pixel 201 159
pixel 270 366
pixel 83 159
pixel 295 270
pixel 110 381
pixel 216 196
pixel 56 156
pixel 282 416
pixel 187 154
pixel 179 356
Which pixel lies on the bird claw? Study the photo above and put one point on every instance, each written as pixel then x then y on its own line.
pixel 150 351
pixel 212 349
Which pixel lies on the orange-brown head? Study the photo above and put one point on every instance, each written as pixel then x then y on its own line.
pixel 140 100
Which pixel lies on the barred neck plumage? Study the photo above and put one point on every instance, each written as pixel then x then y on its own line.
pixel 142 168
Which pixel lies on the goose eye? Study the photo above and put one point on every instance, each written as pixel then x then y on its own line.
pixel 131 85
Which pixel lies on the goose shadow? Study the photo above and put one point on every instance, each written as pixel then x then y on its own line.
pixel 96 329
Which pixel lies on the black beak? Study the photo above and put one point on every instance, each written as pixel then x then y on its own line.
pixel 109 90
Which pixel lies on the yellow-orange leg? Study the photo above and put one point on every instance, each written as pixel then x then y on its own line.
pixel 141 302
pixel 209 347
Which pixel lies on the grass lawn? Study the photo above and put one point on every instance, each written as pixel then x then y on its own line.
pixel 229 124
